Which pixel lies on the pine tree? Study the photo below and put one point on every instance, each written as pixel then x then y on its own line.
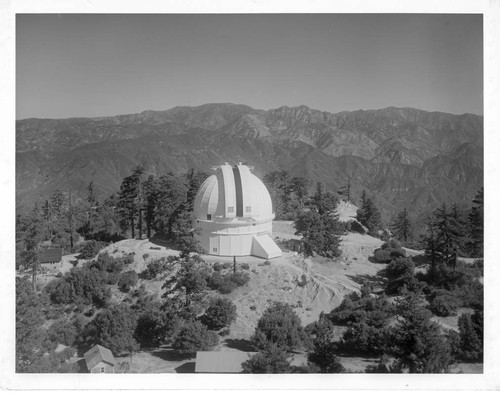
pixel 345 191
pixel 323 202
pixel 91 196
pixel 368 214
pixel 403 227
pixel 418 343
pixel 129 201
pixel 476 225
pixel 32 237
pixel 444 243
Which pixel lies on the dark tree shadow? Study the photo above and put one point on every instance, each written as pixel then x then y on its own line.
pixel 168 354
pixel 420 260
pixel 240 344
pixel 186 368
pixel 375 280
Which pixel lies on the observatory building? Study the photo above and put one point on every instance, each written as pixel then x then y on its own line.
pixel 234 214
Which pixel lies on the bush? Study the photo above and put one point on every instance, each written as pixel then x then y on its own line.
pixel 129 258
pixel 59 275
pixel 273 360
pixel 154 268
pixel 443 303
pixel 217 267
pixel 61 332
pixel 245 266
pixel 127 281
pixel 79 286
pixel 388 251
pixel 303 281
pixel 279 325
pixel 219 314
pixel 381 256
pixel 400 272
pixel 225 284
pixel 193 337
pixel 90 249
pixel 145 256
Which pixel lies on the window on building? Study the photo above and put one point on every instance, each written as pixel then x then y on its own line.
pixel 209 217
pixel 214 249
pixel 102 369
pixel 248 208
pixel 230 209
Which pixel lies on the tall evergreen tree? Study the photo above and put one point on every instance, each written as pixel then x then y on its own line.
pixel 368 214
pixel 32 237
pixel 128 202
pixel 323 202
pixel 476 225
pixel 418 344
pixel 446 237
pixel 29 321
pixel 345 191
pixel 403 227
pixel 91 196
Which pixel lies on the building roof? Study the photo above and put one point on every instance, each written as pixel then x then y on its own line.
pixel 98 354
pixel 233 192
pixel 221 362
pixel 51 255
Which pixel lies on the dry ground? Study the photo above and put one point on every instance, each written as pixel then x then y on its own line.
pixel 327 282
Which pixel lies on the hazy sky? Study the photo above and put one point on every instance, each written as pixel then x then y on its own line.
pixel 92 65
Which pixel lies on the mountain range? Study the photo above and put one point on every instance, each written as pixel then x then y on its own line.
pixel 405 157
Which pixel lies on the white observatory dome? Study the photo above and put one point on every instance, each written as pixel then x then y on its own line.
pixel 234 214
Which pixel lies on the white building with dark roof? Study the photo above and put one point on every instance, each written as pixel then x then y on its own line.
pixel 234 214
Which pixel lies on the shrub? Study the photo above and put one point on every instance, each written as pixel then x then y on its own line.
pixel 129 258
pixel 225 284
pixel 388 251
pixel 59 275
pixel 155 268
pixel 273 360
pixel 220 313
pixel 217 267
pixel 364 338
pixel 279 325
pixel 352 308
pixel 400 272
pixel 90 249
pixel 245 266
pixel 471 336
pixel 303 281
pixel 145 256
pixel 381 256
pixel 114 328
pixel 61 332
pixel 193 337
pixel 443 303
pixel 127 281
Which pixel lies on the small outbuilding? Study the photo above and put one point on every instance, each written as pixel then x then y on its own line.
pixel 50 258
pixel 99 360
pixel 221 362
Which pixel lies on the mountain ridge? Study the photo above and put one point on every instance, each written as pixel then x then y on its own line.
pixel 403 156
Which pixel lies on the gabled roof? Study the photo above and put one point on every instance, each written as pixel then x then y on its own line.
pixel 51 255
pixel 98 354
pixel 221 362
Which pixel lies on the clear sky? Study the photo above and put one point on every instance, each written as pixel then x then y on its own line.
pixel 93 65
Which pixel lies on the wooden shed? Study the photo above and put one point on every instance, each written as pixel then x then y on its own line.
pixel 99 360
pixel 51 258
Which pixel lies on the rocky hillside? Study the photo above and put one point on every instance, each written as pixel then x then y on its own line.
pixel 405 157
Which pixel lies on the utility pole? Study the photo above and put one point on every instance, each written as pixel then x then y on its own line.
pixel 234 264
